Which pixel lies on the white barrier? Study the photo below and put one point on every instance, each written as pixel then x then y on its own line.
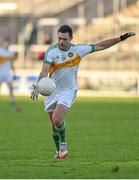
pixel 92 82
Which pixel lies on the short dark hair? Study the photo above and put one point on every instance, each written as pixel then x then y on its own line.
pixel 66 29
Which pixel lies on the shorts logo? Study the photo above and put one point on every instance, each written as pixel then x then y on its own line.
pixel 70 54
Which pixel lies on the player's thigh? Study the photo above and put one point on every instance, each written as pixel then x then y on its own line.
pixel 60 113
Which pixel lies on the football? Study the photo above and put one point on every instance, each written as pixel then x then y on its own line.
pixel 46 86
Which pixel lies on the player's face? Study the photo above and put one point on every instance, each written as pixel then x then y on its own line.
pixel 63 40
pixel 6 44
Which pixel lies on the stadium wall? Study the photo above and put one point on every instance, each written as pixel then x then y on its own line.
pixel 93 82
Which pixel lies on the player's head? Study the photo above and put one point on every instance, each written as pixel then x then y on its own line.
pixel 6 42
pixel 64 36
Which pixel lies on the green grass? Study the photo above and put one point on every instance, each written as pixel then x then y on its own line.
pixel 102 133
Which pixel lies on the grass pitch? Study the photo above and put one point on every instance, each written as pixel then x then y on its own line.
pixel 103 137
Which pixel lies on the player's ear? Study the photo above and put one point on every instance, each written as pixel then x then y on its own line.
pixel 71 37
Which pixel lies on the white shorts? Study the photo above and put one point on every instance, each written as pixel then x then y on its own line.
pixel 65 98
pixel 6 77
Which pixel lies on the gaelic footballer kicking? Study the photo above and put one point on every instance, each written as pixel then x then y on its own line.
pixel 61 63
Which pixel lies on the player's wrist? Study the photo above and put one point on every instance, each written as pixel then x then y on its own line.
pixel 122 38
pixel 35 84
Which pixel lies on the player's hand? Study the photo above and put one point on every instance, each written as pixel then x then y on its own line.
pixel 127 35
pixel 35 92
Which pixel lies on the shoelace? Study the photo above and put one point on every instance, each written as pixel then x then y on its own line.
pixel 63 147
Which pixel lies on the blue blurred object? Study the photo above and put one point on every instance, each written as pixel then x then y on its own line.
pixel 32 78
pixel 16 78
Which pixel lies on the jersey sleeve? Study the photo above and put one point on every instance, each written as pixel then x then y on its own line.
pixel 48 57
pixel 83 49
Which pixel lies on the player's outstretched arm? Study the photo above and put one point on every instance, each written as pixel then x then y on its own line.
pixel 110 42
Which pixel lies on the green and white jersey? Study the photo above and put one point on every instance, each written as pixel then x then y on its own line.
pixel 64 64
pixel 5 60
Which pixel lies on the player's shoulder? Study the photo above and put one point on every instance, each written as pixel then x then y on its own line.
pixel 77 45
pixel 81 47
pixel 82 44
pixel 74 46
pixel 52 48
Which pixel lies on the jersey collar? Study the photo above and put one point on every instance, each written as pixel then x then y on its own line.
pixel 64 49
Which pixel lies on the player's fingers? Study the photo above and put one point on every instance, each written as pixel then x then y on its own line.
pixel 132 33
pixel 36 97
pixel 33 95
pixel 37 94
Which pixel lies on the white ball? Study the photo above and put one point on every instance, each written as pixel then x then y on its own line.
pixel 46 86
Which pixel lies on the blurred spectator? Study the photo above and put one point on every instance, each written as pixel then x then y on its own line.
pixel 41 55
pixel 30 35
pixel 47 38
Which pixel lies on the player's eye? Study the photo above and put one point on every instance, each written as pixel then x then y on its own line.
pixel 62 39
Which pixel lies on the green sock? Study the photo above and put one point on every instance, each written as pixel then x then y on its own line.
pixel 55 136
pixel 61 131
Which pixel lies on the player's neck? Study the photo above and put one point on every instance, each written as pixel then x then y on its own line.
pixel 64 49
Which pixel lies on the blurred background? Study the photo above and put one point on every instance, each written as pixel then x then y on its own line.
pixel 32 27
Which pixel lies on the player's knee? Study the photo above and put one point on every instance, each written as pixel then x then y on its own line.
pixel 56 119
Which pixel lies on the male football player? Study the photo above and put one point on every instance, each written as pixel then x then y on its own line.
pixel 6 71
pixel 61 63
